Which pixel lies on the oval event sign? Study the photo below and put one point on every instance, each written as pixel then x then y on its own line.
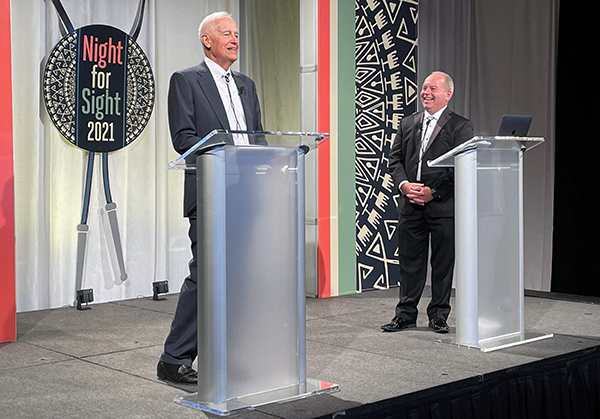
pixel 98 88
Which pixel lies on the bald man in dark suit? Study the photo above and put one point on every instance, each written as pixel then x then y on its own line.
pixel 426 203
pixel 202 98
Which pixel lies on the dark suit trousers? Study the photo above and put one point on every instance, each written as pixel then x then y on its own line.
pixel 181 346
pixel 414 232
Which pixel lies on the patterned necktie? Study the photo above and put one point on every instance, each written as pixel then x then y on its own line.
pixel 424 141
pixel 226 76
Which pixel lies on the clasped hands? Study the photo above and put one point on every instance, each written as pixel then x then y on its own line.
pixel 417 193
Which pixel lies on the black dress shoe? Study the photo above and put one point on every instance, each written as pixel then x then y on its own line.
pixel 397 325
pixel 176 373
pixel 439 326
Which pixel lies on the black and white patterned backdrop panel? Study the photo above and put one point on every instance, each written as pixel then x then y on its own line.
pixel 386 91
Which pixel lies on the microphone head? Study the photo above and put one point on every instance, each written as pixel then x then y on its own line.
pixel 242 91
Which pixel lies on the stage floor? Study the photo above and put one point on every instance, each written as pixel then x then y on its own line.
pixel 101 362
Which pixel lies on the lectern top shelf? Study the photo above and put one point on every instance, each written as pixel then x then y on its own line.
pixel 218 137
pixel 488 143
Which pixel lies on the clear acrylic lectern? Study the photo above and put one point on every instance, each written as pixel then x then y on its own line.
pixel 251 295
pixel 488 179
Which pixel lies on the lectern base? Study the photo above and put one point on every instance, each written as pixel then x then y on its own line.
pixel 311 388
pixel 501 342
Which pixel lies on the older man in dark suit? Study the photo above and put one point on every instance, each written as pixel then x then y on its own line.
pixel 426 203
pixel 202 98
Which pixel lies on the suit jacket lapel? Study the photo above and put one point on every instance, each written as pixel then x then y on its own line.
pixel 418 129
pixel 245 97
pixel 208 86
pixel 412 156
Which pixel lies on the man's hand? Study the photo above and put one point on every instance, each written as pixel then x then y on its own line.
pixel 417 193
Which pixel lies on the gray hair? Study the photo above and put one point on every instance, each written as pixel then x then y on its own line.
pixel 207 23
pixel 448 82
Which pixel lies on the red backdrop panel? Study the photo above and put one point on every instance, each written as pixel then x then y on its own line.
pixel 7 196
pixel 323 115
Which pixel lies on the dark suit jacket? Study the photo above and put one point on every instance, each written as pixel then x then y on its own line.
pixel 195 109
pixel 451 130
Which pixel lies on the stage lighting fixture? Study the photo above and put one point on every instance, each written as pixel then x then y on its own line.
pixel 159 287
pixel 84 296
